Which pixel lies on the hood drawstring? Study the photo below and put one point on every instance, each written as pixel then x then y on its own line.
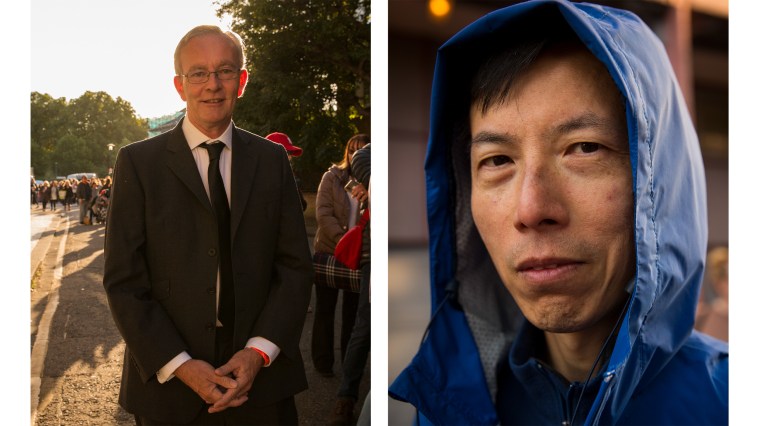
pixel 450 291
pixel 601 353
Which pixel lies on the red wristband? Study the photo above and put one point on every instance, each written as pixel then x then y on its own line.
pixel 262 353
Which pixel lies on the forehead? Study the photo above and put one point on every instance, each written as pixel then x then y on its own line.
pixel 562 83
pixel 570 68
pixel 208 49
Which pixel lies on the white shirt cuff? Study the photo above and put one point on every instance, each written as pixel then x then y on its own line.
pixel 166 372
pixel 265 346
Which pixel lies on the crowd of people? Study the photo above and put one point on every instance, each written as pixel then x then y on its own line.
pixel 91 195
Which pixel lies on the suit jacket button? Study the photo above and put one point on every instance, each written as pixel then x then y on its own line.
pixel 212 252
pixel 211 290
pixel 210 327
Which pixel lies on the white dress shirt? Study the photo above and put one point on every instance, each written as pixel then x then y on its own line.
pixel 195 138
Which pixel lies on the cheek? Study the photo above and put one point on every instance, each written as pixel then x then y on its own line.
pixel 190 94
pixel 606 206
pixel 614 222
pixel 619 208
pixel 490 212
pixel 484 205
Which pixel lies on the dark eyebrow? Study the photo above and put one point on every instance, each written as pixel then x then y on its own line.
pixel 587 120
pixel 584 121
pixel 491 137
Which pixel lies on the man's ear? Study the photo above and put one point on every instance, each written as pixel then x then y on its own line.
pixel 180 87
pixel 243 81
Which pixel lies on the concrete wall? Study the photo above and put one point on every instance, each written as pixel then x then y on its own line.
pixel 410 68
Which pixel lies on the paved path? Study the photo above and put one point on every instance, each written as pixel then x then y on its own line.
pixel 40 223
pixel 77 350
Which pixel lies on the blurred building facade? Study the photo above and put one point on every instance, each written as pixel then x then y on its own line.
pixel 694 32
pixel 163 124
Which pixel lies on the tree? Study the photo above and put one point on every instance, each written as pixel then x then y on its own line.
pixel 99 120
pixel 71 154
pixel 48 125
pixel 309 65
pixel 71 137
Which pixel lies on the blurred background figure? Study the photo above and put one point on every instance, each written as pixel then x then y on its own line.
pixel 712 311
pixel 293 151
pixel 63 191
pixel 337 212
pixel 34 193
pixel 358 347
pixel 45 194
pixel 53 195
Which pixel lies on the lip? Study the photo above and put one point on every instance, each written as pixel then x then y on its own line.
pixel 548 270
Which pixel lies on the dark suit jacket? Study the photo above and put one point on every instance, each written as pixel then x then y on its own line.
pixel 161 268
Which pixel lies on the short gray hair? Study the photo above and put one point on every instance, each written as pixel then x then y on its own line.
pixel 204 30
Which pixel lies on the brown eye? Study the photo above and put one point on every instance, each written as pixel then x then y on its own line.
pixel 589 147
pixel 497 160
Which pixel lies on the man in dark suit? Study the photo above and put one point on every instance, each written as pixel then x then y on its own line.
pixel 209 296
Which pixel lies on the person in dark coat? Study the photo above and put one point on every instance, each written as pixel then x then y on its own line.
pixel 207 264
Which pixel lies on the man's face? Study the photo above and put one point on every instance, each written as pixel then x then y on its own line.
pixel 552 192
pixel 210 104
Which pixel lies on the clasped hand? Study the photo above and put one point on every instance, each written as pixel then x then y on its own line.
pixel 228 385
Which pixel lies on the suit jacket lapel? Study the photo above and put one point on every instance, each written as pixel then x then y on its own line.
pixel 180 160
pixel 244 164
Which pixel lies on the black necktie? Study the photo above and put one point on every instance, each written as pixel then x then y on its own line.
pixel 222 210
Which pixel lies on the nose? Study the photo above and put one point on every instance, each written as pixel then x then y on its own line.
pixel 541 200
pixel 214 81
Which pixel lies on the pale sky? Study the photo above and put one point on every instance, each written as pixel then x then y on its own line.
pixel 124 48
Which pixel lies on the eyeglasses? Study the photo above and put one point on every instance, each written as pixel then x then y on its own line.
pixel 198 77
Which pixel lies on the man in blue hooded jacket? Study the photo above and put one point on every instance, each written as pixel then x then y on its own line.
pixel 568 229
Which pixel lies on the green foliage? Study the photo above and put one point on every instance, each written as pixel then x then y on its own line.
pixel 309 65
pixel 71 137
pixel 72 155
pixel 48 124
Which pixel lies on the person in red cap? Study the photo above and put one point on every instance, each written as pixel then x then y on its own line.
pixel 293 151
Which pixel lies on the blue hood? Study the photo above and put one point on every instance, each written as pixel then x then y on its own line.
pixel 452 378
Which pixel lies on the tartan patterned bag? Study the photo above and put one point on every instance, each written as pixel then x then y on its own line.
pixel 331 273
